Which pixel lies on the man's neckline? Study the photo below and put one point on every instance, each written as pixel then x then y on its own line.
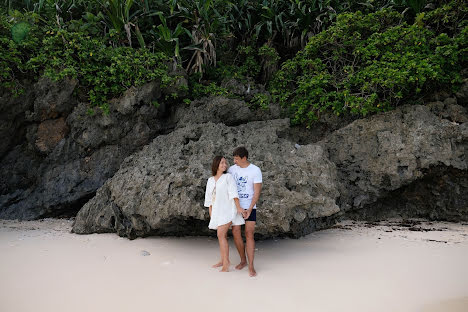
pixel 244 167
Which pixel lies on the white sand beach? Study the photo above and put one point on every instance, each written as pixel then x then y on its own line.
pixel 354 266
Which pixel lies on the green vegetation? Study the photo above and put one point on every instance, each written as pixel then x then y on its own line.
pixel 102 70
pixel 15 48
pixel 349 57
pixel 369 63
pixel 260 100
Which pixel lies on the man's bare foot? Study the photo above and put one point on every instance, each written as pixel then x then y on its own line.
pixel 217 265
pixel 241 265
pixel 252 272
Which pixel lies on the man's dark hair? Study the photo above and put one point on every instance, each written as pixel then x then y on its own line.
pixel 241 152
pixel 215 164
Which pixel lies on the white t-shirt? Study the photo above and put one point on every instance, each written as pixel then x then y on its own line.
pixel 245 179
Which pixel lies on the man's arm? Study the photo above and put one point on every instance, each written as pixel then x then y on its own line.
pixel 256 196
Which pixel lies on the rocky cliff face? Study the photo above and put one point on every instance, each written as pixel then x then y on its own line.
pixel 64 153
pixel 160 189
pixel 142 170
pixel 305 187
pixel 388 151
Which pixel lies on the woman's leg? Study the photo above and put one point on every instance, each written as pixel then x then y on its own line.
pixel 224 246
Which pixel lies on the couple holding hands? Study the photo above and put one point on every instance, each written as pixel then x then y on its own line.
pixel 231 195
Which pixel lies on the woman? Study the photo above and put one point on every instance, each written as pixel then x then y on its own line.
pixel 222 199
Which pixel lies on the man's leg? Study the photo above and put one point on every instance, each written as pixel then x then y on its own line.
pixel 250 243
pixel 236 233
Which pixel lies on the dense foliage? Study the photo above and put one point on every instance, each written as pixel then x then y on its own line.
pixel 369 63
pixel 103 71
pixel 354 56
pixel 14 55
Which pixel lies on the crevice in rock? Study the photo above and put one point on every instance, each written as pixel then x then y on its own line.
pixel 303 135
pixel 237 123
pixel 68 210
pixel 442 194
pixel 188 140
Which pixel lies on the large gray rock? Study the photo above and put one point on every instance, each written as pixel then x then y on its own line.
pixel 449 109
pixel 133 97
pixel 42 109
pixel 52 99
pixel 55 154
pixel 63 160
pixel 160 190
pixel 62 186
pixel 218 109
pixel 385 152
pixel 12 118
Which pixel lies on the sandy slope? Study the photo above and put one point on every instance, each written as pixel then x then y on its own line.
pixel 352 267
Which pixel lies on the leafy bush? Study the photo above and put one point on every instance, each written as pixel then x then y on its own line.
pixel 367 63
pixel 260 100
pixel 14 54
pixel 103 71
pixel 250 65
pixel 449 18
pixel 245 66
pixel 199 90
pixel 191 31
pixel 363 63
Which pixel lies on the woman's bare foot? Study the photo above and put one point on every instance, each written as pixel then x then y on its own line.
pixel 252 272
pixel 241 265
pixel 217 265
pixel 225 267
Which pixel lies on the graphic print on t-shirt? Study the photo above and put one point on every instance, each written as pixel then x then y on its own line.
pixel 241 184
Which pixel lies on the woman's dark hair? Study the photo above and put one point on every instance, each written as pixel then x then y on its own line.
pixel 241 152
pixel 215 164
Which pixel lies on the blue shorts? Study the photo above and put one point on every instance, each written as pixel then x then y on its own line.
pixel 253 215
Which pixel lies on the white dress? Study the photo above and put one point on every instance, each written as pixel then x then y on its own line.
pixel 220 195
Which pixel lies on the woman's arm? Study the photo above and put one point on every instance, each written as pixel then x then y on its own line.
pixel 211 206
pixel 208 192
pixel 232 191
pixel 239 209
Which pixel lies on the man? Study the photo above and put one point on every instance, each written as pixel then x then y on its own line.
pixel 248 178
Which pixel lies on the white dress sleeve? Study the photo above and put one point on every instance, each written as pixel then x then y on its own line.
pixel 232 187
pixel 208 192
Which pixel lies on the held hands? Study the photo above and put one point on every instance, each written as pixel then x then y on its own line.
pixel 243 212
